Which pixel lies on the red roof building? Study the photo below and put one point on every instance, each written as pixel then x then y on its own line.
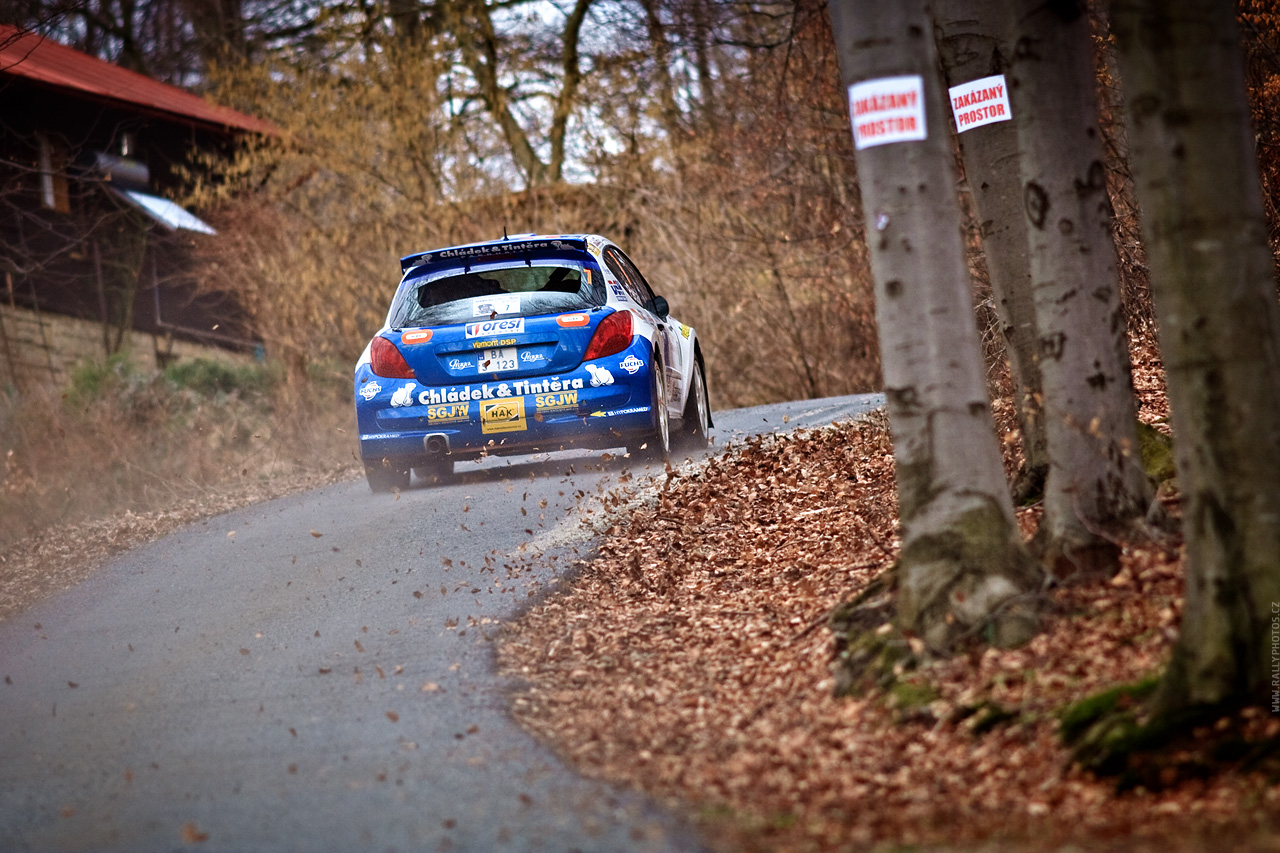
pixel 48 63
pixel 90 157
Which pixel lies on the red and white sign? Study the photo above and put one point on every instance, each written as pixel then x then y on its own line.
pixel 890 109
pixel 980 102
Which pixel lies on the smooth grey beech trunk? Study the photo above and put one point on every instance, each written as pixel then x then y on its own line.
pixel 963 566
pixel 971 37
pixel 1096 481
pixel 1214 285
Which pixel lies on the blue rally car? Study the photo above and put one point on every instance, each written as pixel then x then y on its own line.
pixel 521 345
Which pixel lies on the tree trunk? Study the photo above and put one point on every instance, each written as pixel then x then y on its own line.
pixel 972 44
pixel 479 44
pixel 963 566
pixel 1096 482
pixel 1213 280
pixel 568 98
pixel 658 40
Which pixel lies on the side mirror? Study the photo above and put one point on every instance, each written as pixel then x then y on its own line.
pixel 661 308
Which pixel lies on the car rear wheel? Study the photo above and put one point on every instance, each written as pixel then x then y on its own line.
pixel 658 447
pixel 694 428
pixel 386 476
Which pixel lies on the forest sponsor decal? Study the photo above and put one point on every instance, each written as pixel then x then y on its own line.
pixel 502 415
pixel 979 102
pixel 489 328
pixel 888 109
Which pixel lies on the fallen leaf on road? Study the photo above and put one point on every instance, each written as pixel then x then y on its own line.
pixel 191 834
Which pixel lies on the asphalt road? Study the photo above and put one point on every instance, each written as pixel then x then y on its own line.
pixel 316 673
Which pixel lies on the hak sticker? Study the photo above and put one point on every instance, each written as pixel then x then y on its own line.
pixel 370 391
pixel 489 328
pixel 631 364
pixel 502 415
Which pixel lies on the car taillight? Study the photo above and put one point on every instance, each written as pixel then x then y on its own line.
pixel 613 335
pixel 386 360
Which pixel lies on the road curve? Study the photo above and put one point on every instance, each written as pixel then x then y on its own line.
pixel 316 673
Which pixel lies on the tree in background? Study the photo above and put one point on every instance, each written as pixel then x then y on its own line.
pixel 963 567
pixel 971 45
pixel 749 226
pixel 1096 484
pixel 1213 281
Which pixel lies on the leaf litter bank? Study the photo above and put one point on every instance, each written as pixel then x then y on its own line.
pixel 690 659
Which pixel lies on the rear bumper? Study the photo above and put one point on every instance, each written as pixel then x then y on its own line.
pixel 604 403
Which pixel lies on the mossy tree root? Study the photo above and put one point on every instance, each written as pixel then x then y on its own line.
pixel 1126 733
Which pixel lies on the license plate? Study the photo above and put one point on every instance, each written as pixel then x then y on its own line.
pixel 498 360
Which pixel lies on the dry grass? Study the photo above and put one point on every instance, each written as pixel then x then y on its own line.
pixel 122 458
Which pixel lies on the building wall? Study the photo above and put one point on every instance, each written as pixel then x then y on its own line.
pixel 38 349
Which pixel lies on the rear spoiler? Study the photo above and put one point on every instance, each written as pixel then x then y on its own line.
pixel 492 251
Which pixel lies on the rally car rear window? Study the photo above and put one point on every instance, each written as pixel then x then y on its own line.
pixel 509 289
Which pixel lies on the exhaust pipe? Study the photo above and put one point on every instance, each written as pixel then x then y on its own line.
pixel 437 444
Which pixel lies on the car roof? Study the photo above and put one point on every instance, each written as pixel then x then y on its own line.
pixel 509 246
